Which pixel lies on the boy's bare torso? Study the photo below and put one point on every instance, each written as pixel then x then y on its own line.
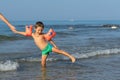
pixel 39 40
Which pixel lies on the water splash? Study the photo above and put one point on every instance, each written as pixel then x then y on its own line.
pixel 8 65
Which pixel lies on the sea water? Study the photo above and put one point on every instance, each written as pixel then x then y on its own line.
pixel 96 48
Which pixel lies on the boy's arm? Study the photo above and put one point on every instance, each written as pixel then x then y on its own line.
pixel 28 31
pixel 10 25
pixel 19 32
pixel 53 43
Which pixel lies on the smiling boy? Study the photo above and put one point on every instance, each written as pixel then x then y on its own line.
pixel 39 38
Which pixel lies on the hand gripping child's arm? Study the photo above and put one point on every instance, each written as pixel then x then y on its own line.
pixel 7 22
pixel 28 30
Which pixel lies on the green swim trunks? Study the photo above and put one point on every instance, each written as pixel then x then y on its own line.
pixel 47 49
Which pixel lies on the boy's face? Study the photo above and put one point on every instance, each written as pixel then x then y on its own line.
pixel 39 30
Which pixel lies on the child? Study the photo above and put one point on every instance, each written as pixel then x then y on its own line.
pixel 40 41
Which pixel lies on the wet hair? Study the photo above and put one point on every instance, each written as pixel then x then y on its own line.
pixel 39 24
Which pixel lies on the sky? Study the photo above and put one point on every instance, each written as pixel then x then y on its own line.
pixel 60 9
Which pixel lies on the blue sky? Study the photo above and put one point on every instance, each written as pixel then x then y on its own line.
pixel 61 9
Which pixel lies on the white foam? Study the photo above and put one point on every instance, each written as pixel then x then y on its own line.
pixel 31 59
pixel 8 65
pixel 114 27
pixel 70 28
pixel 95 53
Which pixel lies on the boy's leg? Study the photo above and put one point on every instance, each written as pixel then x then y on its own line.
pixel 43 60
pixel 64 53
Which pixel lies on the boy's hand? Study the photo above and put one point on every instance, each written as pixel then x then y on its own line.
pixel 14 30
pixel 56 47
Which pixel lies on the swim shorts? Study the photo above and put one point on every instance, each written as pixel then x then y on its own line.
pixel 47 49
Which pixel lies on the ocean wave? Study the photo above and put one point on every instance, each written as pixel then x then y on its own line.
pixel 77 55
pixel 97 53
pixel 8 65
pixel 5 37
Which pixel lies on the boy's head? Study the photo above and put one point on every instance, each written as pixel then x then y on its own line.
pixel 39 24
